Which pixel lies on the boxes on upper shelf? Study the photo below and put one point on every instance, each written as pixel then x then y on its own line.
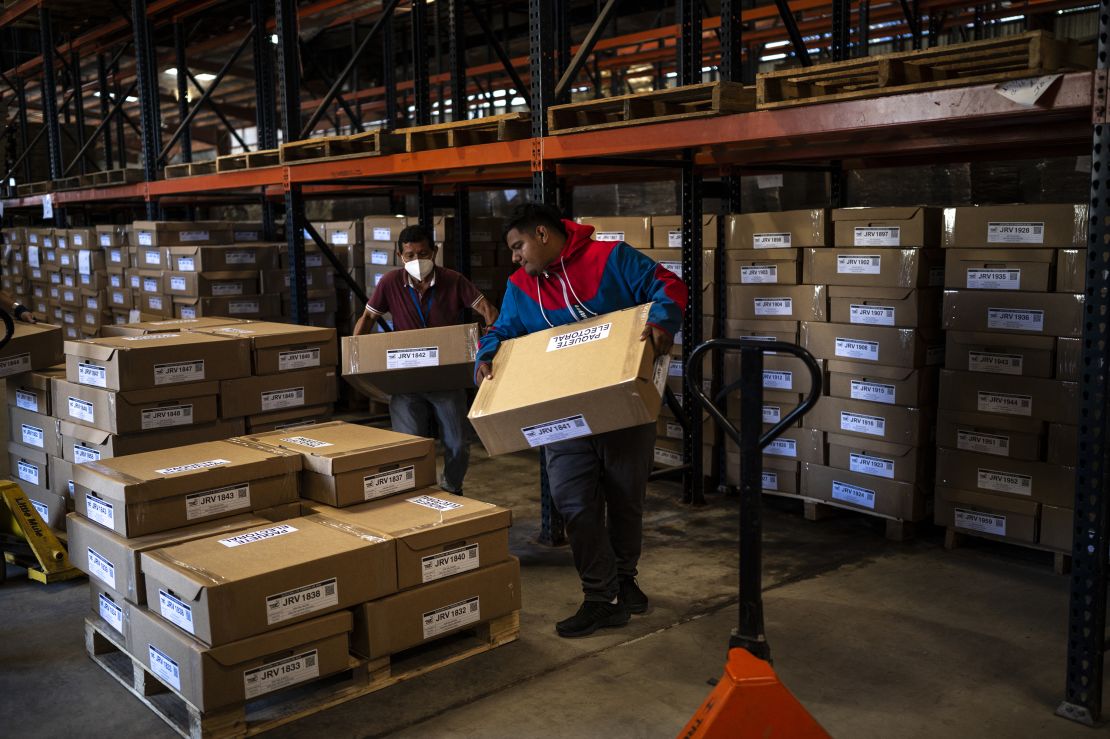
pixel 221 258
pixel 1045 225
pixel 1000 269
pixel 885 345
pixel 666 232
pixel 635 231
pixel 884 306
pixel 887 227
pixel 1029 397
pixel 185 233
pixel 785 229
pixel 786 302
pixel 875 267
pixel 1046 314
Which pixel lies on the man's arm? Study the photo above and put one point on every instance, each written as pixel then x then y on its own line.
pixel 19 311
pixel 653 283
pixel 507 326
pixel 487 310
pixel 375 307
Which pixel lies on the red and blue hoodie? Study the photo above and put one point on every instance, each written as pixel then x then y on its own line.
pixel 588 278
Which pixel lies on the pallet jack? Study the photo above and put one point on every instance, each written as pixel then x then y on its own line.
pixel 749 700
pixel 25 538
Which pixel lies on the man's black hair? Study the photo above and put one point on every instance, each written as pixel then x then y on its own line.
pixel 527 216
pixel 415 234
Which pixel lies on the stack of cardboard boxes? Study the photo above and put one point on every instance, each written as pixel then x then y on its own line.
pixel 1013 308
pixel 14 278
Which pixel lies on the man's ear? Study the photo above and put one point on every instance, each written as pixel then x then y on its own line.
pixel 542 234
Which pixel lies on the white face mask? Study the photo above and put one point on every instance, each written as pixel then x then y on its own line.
pixel 419 268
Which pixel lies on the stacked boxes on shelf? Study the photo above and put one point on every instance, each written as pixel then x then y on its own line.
pixel 490 259
pixel 1013 308
pixel 882 348
pixel 14 278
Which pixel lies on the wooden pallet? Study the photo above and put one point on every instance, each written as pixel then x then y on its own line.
pixel 504 127
pixel 979 62
pixel 118 176
pixel 173 171
pixel 370 143
pixel 268 712
pixel 674 104
pixel 248 160
pixel 957 538
pixel 897 529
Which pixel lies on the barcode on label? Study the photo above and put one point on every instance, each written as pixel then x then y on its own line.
pixel 868 465
pixel 782 448
pixel 281 674
pixel 999 364
pixel 15 364
pixel 92 374
pixel 773 306
pixel 994 279
pixel 99 511
pixel 862 424
pixel 1013 319
pixel 167 416
pixel 27 472
pixel 163 667
pixel 27 401
pixel 31 435
pixel 101 567
pixel 1001 481
pixel 778 379
pixel 176 611
pixel 110 612
pixel 82 454
pixel 858 264
pixel 1015 233
pixel 298 359
pixel 276 399
pixel 759 274
pixel 873 391
pixel 564 428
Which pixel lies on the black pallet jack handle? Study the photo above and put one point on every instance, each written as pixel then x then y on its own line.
pixel 751 439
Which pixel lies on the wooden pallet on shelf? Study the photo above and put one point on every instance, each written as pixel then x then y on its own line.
pixel 1020 56
pixel 268 712
pixel 370 143
pixel 897 529
pixel 504 127
pixel 118 176
pixel 34 188
pixel 957 538
pixel 173 171
pixel 263 158
pixel 673 104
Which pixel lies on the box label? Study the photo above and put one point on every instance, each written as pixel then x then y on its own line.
pixel 239 307
pixel 192 467
pixel 152 257
pixel 858 264
pixel 564 428
pixel 298 359
pixel 1016 319
pixel 381 258
pixel 772 414
pixel 188 312
pixel 868 465
pixel 774 306
pixel 80 409
pixel 782 448
pixel 100 511
pixel 15 364
pixel 221 500
pixel 853 494
pixel 239 257
pixel 427 356
pixel 451 562
pixel 974 441
pixel 862 424
pixel 281 674
pixel 987 523
pixel 667 457
pixel 581 336
pixel 340 238
pixel 291 397
pixel 452 617
pixel 173 415
pixel 82 454
pixel 105 239
pixel 770 241
pixel 770 481
pixel 176 611
pixel 871 315
pixel 317 306
pixel 110 612
pixel 1013 405
pixel 150 284
pixel 115 256
pixel 759 274
pixel 307 442
pixel 177 283
pixel 193 236
pixel 387 483
pixel 778 379
pixel 315 259
pixel 675 267
pixel 186 264
pixel 164 668
pixel 999 364
pixel 259 535
pixel 27 401
pixel 146 238
pixel 102 568
pixel 873 391
pixel 174 372
pixel 994 279
pixel 609 236
pixel 1001 232
pixel 28 472
pixel 674 430
pixel 857 349
pixel 436 504
pixel 872 236
pixel 84 262
pixel 247 236
pixel 41 508
pixel 299 601
pixel 674 239
pixel 92 374
pixel 1001 481
pixel 382 234
pixel 64 259
pixel 31 435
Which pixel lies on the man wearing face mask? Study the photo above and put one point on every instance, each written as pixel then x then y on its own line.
pixel 422 295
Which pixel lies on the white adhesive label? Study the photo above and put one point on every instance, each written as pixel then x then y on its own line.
pixel 675 267
pixel 862 424
pixel 240 257
pixel 987 523
pixel 186 264
pixel 163 667
pixel 81 409
pixel 581 336
pixel 100 511
pixel 150 284
pixel 674 239
pixel 193 236
pixel 298 359
pixel 436 504
pixel 1016 319
pixel 84 262
pixel 381 258
pixel 27 472
pixel 426 356
pixel 667 457
pixel 674 369
pixel 177 283
pixel 247 236
pixel 15 364
pixel 564 428
pixel 155 302
pixel 317 306
pixel 192 467
pixel 999 364
pixel 239 307
pixel 387 483
pixel 176 611
pixel 609 236
pixel 34 259
pixel 452 617
pixel 281 674
pixel 858 264
pixel 759 274
pixel 314 259
pixel 771 241
pixel 152 257
pixel 174 372
pixel 101 568
pixel 857 349
pixel 340 238
pixel 1000 232
pixel 994 279
pixel 782 448
pixel 674 430
pixel 853 494
pixel 27 401
pixel 868 465
pixel 451 562
pixel 975 441
pixel 1001 481
pixel 290 397
pixel 774 306
pixel 92 374
pixel 770 481
pixel 214 502
pixel 881 236
pixel 115 256
pixel 874 391
pixel 31 435
pixel 110 612
pixel 778 379
pixel 772 414
pixel 188 312
pixel 300 601
pixel 82 454
pixel 307 442
pixel 1012 405
pixel 105 239
pixel 115 280
pixel 64 259
pixel 382 234
pixel 256 536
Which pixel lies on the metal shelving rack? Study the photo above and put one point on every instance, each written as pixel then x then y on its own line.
pixel 951 124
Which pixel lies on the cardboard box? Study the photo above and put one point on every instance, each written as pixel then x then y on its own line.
pixel 1002 436
pixel 1028 397
pixel 776 406
pixel 250 396
pixel 157 491
pixel 30 468
pixel 109 235
pixel 168 326
pixel 635 231
pixel 1071 271
pixel 1000 354
pixel 798 445
pixel 984 473
pixel 767 330
pixel 156 360
pixel 1044 314
pixel 787 302
pixel 383 231
pixel 34 430
pixel 762 267
pixel 990 516
pixel 212 678
pixel 777 476
pixel 781 372
pixel 887 227
pixel 415 616
pixel 69 297
pixel 226 258
pixel 880 345
pixel 86 444
pixel 31 390
pixel 149 257
pixel 288 419
pixel 345 463
pixel 112 611
pixel 884 306
pixel 33 346
pixel 599 377
pixel 891 423
pixel 342 233
pixel 1000 269
pixel 211 284
pixel 183 233
pixel 881 384
pixel 136 411
pixel 224 588
pixel 1045 225
pixel 281 280
pixel 881 459
pixel 1069 359
pixel 666 231
pixel 60 473
pixel 50 506
pixel 874 267
pixel 252 307
pixel 1057 528
pixel 1063 444
pixel 672 260
pixel 118 257
pixel 405 361
pixel 904 501
pixel 282 347
pixel 791 228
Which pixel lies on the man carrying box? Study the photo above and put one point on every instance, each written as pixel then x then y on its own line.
pixel 598 483
pixel 422 295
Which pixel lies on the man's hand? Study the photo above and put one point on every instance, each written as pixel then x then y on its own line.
pixel 661 341
pixel 23 313
pixel 485 372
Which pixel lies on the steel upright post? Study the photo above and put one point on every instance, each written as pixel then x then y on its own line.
pixel 289 78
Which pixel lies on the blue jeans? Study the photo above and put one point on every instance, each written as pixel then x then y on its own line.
pixel 412 414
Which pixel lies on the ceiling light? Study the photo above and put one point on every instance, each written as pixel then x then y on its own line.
pixel 205 77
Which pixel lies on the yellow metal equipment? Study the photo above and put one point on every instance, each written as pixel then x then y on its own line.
pixel 28 542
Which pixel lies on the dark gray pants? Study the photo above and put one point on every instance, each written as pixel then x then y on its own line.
pixel 598 484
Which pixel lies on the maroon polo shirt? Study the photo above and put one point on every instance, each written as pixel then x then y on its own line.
pixel 444 303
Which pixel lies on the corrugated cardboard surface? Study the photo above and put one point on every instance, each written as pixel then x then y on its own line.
pixel 137 411
pixel 632 230
pixel 880 459
pixel 221 258
pixel 1071 271
pixel 1057 527
pixel 248 396
pixel 1028 397
pixel 84 443
pixel 1003 436
pixel 791 228
pixel 283 347
pixel 666 231
pixel 900 500
pixel 778 302
pixel 762 266
pixel 404 361
pixel 917 226
pixel 871 267
pixel 31 390
pixel 1016 225
pixel 1000 269
pixel 155 360
pixel 1038 314
pixel 33 346
pixel 885 345
pixel 890 385
pixel 168 233
pixel 1006 518
pixel 1000 354
pixel 891 423
pixel 34 430
pixel 1025 480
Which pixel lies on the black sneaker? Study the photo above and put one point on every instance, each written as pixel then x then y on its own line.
pixel 631 597
pixel 593 615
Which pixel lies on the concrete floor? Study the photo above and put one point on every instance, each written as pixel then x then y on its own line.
pixel 877 639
